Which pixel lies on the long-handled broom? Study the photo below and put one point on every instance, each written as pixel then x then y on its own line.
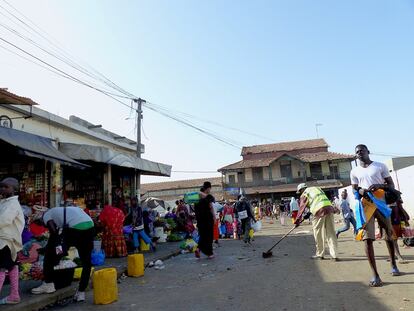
pixel 269 253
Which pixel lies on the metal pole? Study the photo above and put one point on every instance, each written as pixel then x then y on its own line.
pixel 139 102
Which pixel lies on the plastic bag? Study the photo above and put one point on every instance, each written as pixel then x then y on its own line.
pixel 359 215
pixel 195 236
pixel 223 229
pixel 98 258
pixel 257 226
pixel 381 205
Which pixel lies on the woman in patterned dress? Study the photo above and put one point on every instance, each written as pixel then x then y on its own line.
pixel 113 240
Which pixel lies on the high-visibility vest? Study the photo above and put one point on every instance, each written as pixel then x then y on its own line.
pixel 317 199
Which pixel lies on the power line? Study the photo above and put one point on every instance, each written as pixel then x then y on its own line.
pixel 67 62
pixel 171 113
pixel 386 154
pixel 65 54
pixel 65 58
pixel 213 122
pixel 64 73
pixel 195 128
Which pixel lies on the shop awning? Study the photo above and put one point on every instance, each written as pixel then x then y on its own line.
pixel 110 156
pixel 36 146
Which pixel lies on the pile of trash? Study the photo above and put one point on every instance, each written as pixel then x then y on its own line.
pixel 189 246
pixel 157 265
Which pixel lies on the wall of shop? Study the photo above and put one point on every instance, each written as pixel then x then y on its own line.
pixel 63 131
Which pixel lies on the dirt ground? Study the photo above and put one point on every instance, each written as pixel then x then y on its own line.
pixel 240 279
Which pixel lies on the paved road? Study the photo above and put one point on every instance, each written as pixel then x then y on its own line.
pixel 240 279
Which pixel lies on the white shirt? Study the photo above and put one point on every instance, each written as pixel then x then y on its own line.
pixel 11 225
pixel 75 216
pixel 365 177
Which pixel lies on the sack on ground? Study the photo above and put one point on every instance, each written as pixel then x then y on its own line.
pixel 98 258
pixel 257 226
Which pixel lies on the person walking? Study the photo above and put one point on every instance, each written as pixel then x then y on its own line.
pixel 11 228
pixel 205 216
pixel 373 178
pixel 245 215
pixel 294 209
pixel 347 214
pixel 323 224
pixel 78 231
pixel 228 218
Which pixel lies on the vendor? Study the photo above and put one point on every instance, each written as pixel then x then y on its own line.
pixel 11 228
pixel 78 231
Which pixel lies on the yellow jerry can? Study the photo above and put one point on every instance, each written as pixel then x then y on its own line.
pixel 144 247
pixel 136 265
pixel 105 287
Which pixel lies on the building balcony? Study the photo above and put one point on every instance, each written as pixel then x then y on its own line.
pixel 283 181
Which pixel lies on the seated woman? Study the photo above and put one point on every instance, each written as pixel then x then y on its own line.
pixel 184 220
pixel 135 219
pixel 113 241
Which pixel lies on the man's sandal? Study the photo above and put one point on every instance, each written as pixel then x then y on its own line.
pixel 395 272
pixel 375 282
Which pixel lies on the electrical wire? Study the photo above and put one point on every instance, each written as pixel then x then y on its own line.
pixel 211 122
pixel 170 113
pixel 187 121
pixel 66 55
pixel 196 128
pixel 64 73
pixel 15 32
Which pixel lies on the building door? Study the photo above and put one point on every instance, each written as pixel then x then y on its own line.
pixel 316 170
pixel 257 174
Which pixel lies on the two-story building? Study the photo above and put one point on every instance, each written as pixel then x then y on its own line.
pixel 273 171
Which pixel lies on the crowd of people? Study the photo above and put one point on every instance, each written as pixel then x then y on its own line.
pixel 125 226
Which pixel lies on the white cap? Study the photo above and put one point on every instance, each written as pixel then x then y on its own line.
pixel 301 186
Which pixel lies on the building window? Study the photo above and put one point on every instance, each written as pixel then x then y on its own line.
pixel 334 171
pixel 316 170
pixel 232 179
pixel 257 173
pixel 286 170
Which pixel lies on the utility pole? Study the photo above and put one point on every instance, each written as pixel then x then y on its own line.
pixel 139 102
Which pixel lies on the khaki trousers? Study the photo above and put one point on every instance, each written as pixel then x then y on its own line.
pixel 324 230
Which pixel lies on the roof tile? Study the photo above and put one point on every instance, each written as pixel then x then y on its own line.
pixel 286 146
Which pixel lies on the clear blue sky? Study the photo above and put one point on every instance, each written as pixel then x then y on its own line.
pixel 270 67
